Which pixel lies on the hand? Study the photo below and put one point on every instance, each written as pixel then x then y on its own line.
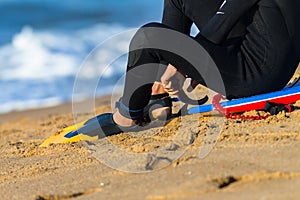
pixel 172 80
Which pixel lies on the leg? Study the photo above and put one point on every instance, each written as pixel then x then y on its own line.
pixel 146 57
pixel 174 17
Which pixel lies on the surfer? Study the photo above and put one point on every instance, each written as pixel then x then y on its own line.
pixel 253 43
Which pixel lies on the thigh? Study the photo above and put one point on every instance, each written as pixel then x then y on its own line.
pixel 195 57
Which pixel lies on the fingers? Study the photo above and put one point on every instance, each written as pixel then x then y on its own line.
pixel 168 74
pixel 172 92
pixel 172 80
pixel 169 87
pixel 166 84
pixel 173 86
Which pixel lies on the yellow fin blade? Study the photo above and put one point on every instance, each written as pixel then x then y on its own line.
pixel 59 137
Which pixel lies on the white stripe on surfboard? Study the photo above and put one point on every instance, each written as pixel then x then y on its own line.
pixel 257 101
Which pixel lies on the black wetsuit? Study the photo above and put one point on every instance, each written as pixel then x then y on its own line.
pixel 254 44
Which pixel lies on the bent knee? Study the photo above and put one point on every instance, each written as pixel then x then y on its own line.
pixel 154 24
pixel 146 34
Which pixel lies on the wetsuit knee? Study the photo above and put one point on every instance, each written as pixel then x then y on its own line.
pixel 154 25
pixel 143 33
pixel 144 41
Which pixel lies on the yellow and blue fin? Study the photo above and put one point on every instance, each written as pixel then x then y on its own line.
pixel 87 130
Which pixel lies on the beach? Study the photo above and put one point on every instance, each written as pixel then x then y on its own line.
pixel 248 159
pixel 54 54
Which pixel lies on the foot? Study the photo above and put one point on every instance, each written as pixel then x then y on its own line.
pixel 163 112
pixel 123 121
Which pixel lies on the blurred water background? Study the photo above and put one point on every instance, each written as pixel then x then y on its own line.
pixel 44 42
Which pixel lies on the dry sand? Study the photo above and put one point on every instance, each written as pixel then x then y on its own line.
pixel 251 159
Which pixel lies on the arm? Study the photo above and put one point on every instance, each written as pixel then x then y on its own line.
pixel 175 18
pixel 219 26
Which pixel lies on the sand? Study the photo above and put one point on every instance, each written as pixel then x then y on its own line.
pixel 248 159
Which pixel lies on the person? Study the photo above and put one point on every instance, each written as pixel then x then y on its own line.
pixel 253 43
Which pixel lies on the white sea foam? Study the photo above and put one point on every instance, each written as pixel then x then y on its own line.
pixel 45 55
pixel 49 58
pixel 17 105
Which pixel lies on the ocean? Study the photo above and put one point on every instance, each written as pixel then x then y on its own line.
pixel 45 43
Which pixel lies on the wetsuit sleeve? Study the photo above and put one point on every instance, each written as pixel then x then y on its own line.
pixel 219 26
pixel 174 17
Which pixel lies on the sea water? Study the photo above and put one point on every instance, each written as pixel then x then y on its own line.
pixel 43 44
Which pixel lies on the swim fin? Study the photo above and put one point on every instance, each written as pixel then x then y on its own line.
pixel 95 128
pixel 68 135
pixel 91 129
